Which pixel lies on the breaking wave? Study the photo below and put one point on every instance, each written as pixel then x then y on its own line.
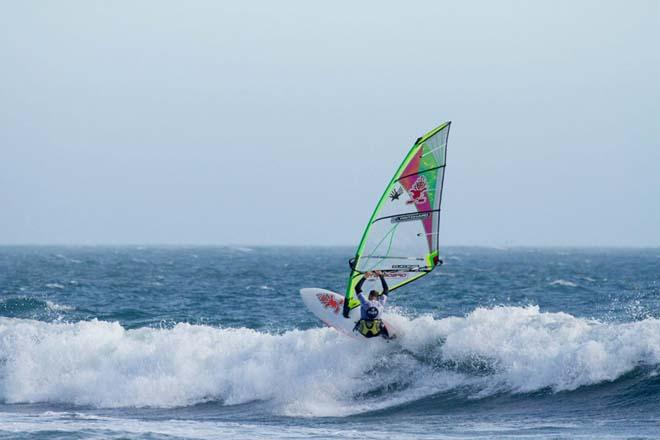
pixel 317 372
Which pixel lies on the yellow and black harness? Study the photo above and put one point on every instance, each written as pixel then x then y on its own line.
pixel 369 328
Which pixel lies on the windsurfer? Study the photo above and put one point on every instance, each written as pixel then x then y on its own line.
pixel 371 309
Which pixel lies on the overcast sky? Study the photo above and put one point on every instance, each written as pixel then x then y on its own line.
pixel 210 122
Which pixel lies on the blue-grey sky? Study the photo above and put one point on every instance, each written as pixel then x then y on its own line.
pixel 210 122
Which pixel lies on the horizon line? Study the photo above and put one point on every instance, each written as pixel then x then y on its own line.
pixel 234 245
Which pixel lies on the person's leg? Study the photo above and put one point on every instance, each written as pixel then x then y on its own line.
pixel 383 331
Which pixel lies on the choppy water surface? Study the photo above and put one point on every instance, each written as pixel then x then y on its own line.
pixel 206 342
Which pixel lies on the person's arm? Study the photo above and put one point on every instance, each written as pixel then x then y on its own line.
pixel 358 289
pixel 386 289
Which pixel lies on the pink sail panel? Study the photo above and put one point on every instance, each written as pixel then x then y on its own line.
pixel 418 189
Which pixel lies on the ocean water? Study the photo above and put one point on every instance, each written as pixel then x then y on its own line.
pixel 214 342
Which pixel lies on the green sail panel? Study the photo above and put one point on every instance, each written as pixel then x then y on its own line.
pixel 401 238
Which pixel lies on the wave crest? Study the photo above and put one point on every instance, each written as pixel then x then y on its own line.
pixel 316 371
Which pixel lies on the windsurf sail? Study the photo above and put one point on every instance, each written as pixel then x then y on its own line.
pixel 401 238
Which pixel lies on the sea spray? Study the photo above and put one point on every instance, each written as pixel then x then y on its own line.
pixel 316 371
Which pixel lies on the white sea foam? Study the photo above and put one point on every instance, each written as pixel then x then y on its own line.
pixel 67 259
pixel 531 350
pixel 54 286
pixel 241 249
pixel 316 371
pixel 564 283
pixel 262 287
pixel 57 307
pixel 114 427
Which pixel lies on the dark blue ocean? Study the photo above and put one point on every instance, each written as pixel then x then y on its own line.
pixel 214 342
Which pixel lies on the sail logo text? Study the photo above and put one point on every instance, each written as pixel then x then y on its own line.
pixel 394 274
pixel 410 217
pixel 405 266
